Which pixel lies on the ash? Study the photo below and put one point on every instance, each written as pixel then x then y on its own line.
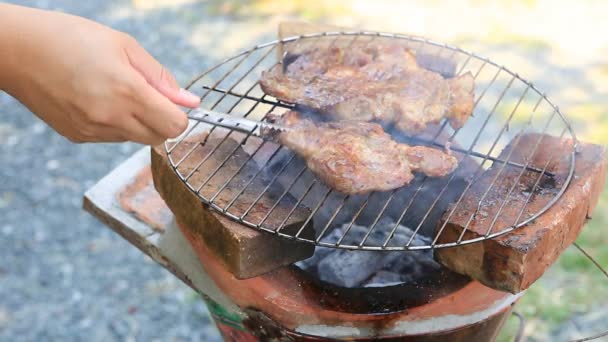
pixel 370 268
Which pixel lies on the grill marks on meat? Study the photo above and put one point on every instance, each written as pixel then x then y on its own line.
pixel 356 157
pixel 380 82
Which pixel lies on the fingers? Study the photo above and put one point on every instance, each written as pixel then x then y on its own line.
pixel 159 94
pixel 159 77
pixel 131 130
pixel 138 132
pixel 159 114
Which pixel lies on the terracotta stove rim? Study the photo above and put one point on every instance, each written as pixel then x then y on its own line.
pixel 269 293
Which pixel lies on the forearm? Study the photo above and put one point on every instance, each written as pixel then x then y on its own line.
pixel 11 37
pixel 17 40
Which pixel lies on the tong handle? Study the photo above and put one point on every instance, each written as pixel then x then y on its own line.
pixel 226 121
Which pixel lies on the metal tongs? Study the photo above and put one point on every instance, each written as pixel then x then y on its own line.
pixel 262 129
pixel 269 130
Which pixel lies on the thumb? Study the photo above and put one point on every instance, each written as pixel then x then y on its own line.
pixel 159 77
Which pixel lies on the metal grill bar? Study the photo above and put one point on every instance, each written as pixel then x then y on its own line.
pixel 233 106
pixel 285 192
pixel 502 205
pixel 538 179
pixel 406 209
pixel 414 139
pixel 392 195
pixel 221 142
pixel 349 45
pixel 450 139
pixel 320 201
pixel 464 65
pixel 378 217
pixel 477 154
pixel 352 221
pixel 352 41
pixel 492 148
pixel 234 67
pixel 332 218
pixel 314 211
pixel 204 159
pixel 478 173
pixel 483 93
pixel 276 152
pixel 475 177
pixel 390 236
pixel 533 216
pixel 252 98
pixel 504 164
pixel 423 45
pixel 295 206
pixel 274 178
pixel 260 170
pixel 217 168
pixel 231 178
pixel 366 201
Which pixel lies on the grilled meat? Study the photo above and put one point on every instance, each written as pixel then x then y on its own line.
pixel 378 82
pixel 356 157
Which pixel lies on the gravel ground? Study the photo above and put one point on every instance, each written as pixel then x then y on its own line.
pixel 63 275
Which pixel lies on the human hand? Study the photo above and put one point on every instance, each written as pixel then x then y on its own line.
pixel 87 81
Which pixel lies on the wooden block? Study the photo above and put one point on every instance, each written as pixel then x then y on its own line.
pixel 512 262
pixel 141 199
pixel 244 251
pixel 101 199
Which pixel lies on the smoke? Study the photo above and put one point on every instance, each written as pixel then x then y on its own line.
pixel 418 206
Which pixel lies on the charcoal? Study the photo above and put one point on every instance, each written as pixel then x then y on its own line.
pixel 312 262
pixel 384 278
pixel 350 268
pixel 369 268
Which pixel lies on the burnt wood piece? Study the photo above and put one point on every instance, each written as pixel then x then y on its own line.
pixel 245 252
pixel 512 262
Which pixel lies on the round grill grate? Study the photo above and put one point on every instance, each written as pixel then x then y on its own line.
pixel 266 187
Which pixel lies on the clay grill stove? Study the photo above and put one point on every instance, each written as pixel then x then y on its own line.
pixel 272 225
pixel 266 187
